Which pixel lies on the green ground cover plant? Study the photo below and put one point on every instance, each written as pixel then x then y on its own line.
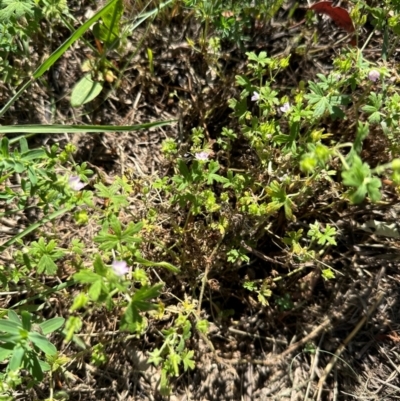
pixel 150 266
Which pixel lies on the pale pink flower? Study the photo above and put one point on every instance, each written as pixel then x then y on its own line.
pixel 373 75
pixel 120 267
pixel 255 97
pixel 285 108
pixel 203 156
pixel 75 183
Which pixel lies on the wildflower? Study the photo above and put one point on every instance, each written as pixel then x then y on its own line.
pixel 255 97
pixel 373 75
pixel 283 178
pixel 75 183
pixel 203 156
pixel 285 108
pixel 119 267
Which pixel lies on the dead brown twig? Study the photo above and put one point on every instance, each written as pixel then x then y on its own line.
pixel 272 361
pixel 259 254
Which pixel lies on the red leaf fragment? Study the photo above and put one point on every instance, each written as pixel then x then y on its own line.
pixel 339 15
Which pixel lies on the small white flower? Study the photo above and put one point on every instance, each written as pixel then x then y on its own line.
pixel 373 75
pixel 75 183
pixel 283 178
pixel 120 267
pixel 285 108
pixel 203 156
pixel 255 97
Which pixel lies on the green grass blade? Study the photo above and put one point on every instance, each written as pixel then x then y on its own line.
pixel 16 96
pixel 59 128
pixel 44 294
pixel 149 14
pixel 73 38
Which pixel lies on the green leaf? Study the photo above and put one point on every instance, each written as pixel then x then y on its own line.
pixel 85 91
pixel 99 267
pixel 15 9
pixel 155 357
pixel 115 225
pixel 356 174
pixel 6 349
pixel 143 295
pixel 120 236
pixel 359 176
pixel 362 133
pixel 329 235
pixel 181 345
pixel 4 144
pixel 26 320
pixel 187 359
pixel 186 330
pixel 131 320
pixel 183 169
pixel 79 302
pixel 95 290
pixel 323 102
pixel 324 236
pixel 328 274
pixel 273 207
pixel 165 388
pixel 16 359
pixel 86 277
pixel 373 188
pixel 10 338
pixel 116 200
pixel 32 175
pixel 243 81
pixel 10 327
pixel 42 343
pixel 46 265
pixel 34 154
pixel 133 229
pixel 13 317
pixel 34 366
pixel 174 361
pixel 359 194
pixel 321 106
pixel 72 326
pixel 44 366
pixel 51 325
pixel 288 209
pixel 109 31
pixel 166 265
pixel 375 118
pixel 23 145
